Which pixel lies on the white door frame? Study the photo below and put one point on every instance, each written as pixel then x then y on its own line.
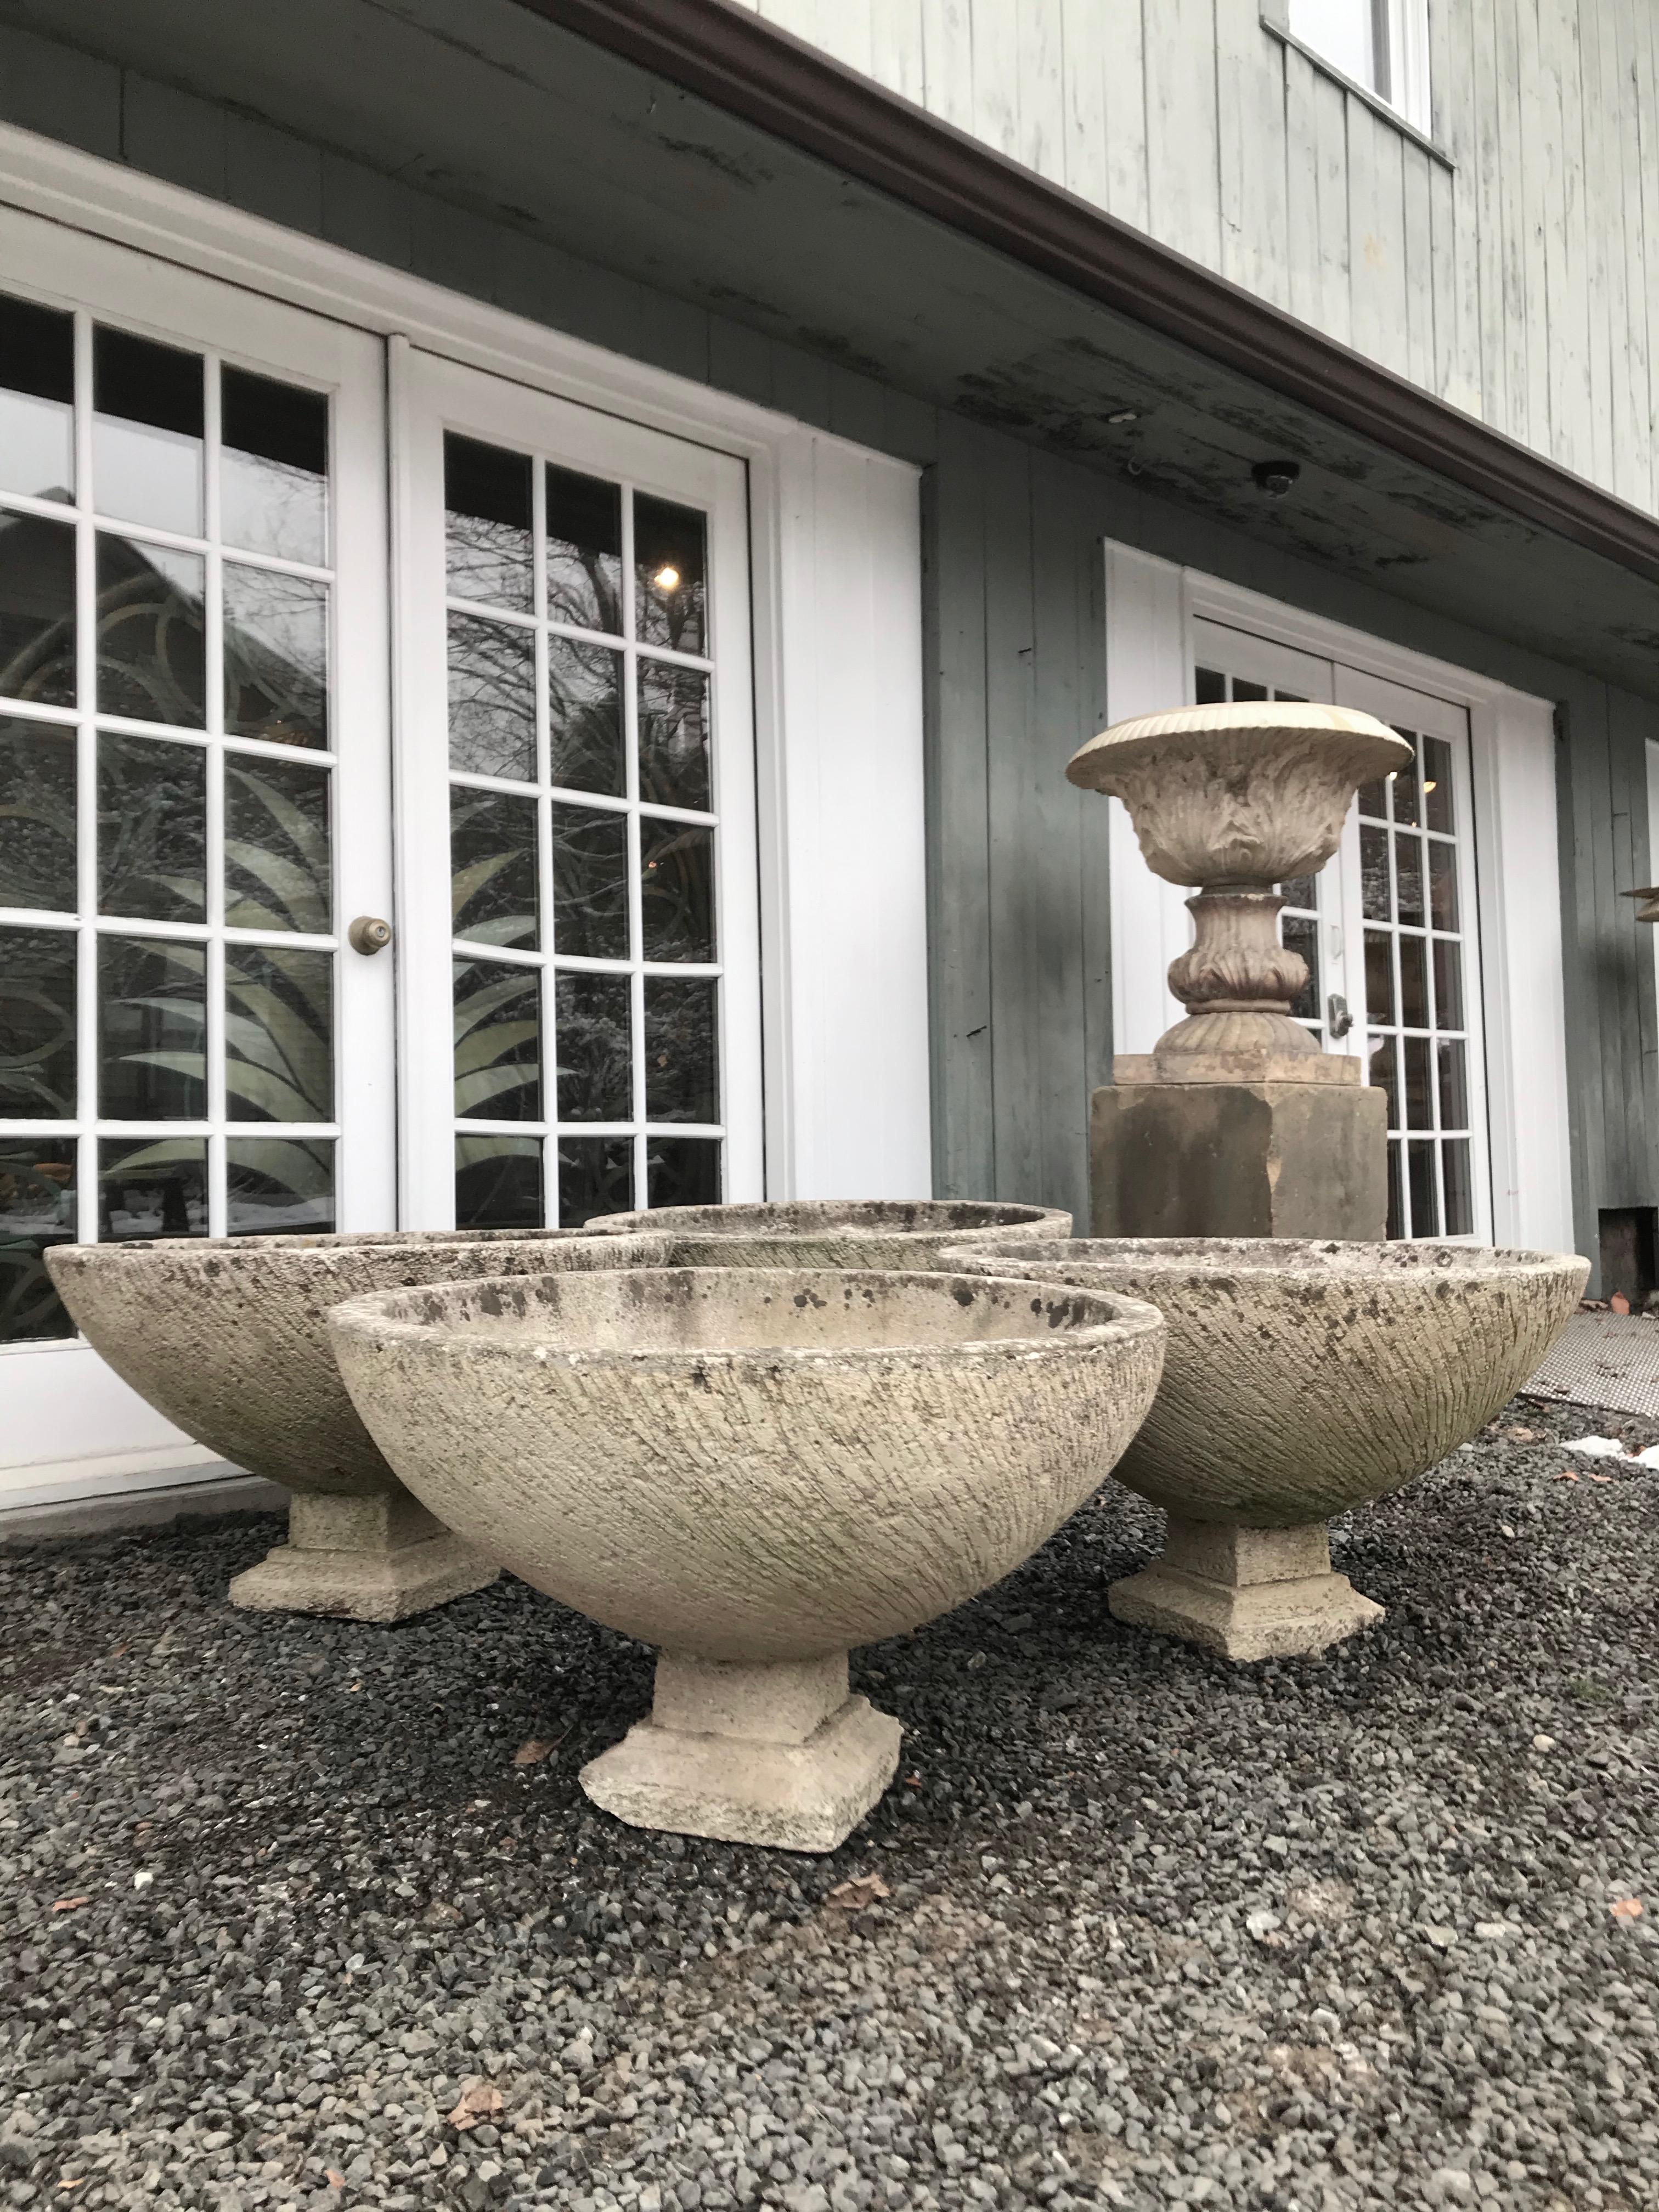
pixel 1151 604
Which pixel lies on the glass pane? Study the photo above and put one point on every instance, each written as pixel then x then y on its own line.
pixel 1460 1187
pixel 279 1034
pixel 682 1051
pixel 1302 891
pixel 1345 32
pixel 150 1188
pixel 670 572
pixel 595 1018
pixel 682 1171
pixel 147 432
pixel 494 889
pixel 273 466
pixel 1289 698
pixel 276 657
pixel 585 717
pixel 36 1024
pixel 1408 879
pixel 1414 982
pixel 590 882
pixel 1437 796
pixel 498 1042
pixel 1396 1225
pixel 279 1186
pixel 1383 1072
pixel 1300 934
pixel 1419 1105
pixel 584 551
pixel 152 829
pixel 1247 693
pixel 596 1176
pixel 1454 1083
pixel 676 890
pixel 277 847
pixel 37 1209
pixel 37 610
pixel 1448 984
pixel 498 1182
pixel 1379 976
pixel 1443 884
pixel 1426 1194
pixel 151 664
pixel 673 736
pixel 1374 799
pixel 37 401
pixel 487 541
pixel 152 1020
pixel 492 699
pixel 36 816
pixel 1210 687
pixel 1374 874
pixel 1408 806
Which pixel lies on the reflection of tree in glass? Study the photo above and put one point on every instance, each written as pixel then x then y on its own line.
pixel 596 1176
pixel 670 568
pixel 584 716
pixel 590 882
pixel 595 1047
pixel 36 1024
pixel 584 551
pixel 150 659
pixel 676 890
pixel 682 1050
pixel 152 828
pixel 492 699
pixel 36 817
pixel 279 1029
pixel 673 736
pixel 37 610
pixel 37 1210
pixel 276 657
pixel 494 889
pixel 488 561
pixel 276 846
pixel 498 1051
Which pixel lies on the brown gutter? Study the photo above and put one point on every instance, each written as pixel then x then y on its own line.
pixel 728 56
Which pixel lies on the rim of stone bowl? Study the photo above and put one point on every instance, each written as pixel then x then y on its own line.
pixel 375 1317
pixel 1314 1259
pixel 344 1240
pixel 851 1217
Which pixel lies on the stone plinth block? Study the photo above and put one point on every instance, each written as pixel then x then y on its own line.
pixel 1244 1593
pixel 380 1557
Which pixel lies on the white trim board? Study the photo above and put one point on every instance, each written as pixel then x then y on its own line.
pixel 1150 607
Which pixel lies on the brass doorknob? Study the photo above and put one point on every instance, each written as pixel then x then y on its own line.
pixel 368 934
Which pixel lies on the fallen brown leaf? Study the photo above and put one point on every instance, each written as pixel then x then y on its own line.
pixel 481 2102
pixel 535 1748
pixel 1619 1303
pixel 1566 1475
pixel 1524 1436
pixel 1600 1478
pixel 1628 1908
pixel 853 1896
pixel 68 1904
pixel 338 2179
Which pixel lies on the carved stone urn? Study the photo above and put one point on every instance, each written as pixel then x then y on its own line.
pixel 1219 1132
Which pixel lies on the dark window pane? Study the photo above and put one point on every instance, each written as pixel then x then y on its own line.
pixel 1246 693
pixel 1426 1194
pixel 36 816
pixel 682 1050
pixel 1460 1189
pixel 152 1022
pixel 1375 895
pixel 1300 934
pixel 1437 794
pixel 36 1024
pixel 1379 976
pixel 1414 982
pixel 37 610
pixel 1373 800
pixel 152 1188
pixel 673 736
pixel 152 829
pixel 1210 687
pixel 1396 1226
pixel 279 1034
pixel 1289 698
pixel 1443 884
pixel 682 1171
pixel 1407 808
pixel 1448 985
pixel 498 1042
pixel 37 395
pixel 279 1186
pixel 492 699
pixel 590 882
pixel 276 657
pixel 493 892
pixel 487 523
pixel 584 551
pixel 1384 1072
pixel 150 661
pixel 277 847
pixel 1419 1104
pixel 1408 878
pixel 37 1210
pixel 147 432
pixel 596 1176
pixel 585 717
pixel 498 1182
pixel 676 890
pixel 1301 891
pixel 595 1017
pixel 1454 1083
pixel 273 466
pixel 669 575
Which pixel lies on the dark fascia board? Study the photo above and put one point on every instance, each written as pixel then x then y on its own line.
pixel 727 56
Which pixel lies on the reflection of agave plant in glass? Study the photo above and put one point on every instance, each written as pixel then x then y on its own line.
pixel 36 1209
pixel 279 1060
pixel 498 1073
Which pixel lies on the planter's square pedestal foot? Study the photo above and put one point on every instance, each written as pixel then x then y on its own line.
pixel 1244 1593
pixel 779 1755
pixel 378 1558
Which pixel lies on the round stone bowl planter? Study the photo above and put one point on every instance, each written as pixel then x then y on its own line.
pixel 227 1337
pixel 753 1469
pixel 848 1232
pixel 1301 1379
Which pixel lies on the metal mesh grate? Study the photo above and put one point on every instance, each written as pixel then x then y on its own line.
pixel 1604 1359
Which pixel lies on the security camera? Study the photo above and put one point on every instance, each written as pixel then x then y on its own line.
pixel 1275 477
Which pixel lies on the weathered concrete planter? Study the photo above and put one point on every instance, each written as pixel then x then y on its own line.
pixel 754 1470
pixel 227 1336
pixel 1301 1379
pixel 848 1232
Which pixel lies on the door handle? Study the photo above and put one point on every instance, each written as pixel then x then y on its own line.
pixel 368 934
pixel 1338 1019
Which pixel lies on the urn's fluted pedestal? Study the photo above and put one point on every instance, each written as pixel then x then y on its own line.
pixel 378 1558
pixel 781 1755
pixel 1298 1149
pixel 1244 1593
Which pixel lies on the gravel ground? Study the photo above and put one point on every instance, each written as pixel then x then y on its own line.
pixel 1143 1930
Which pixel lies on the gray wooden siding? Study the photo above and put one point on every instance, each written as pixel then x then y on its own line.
pixel 1518 277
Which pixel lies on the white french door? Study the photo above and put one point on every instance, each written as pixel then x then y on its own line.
pixel 580 954
pixel 194 793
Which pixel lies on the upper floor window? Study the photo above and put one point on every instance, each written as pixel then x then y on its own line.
pixel 1382 44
